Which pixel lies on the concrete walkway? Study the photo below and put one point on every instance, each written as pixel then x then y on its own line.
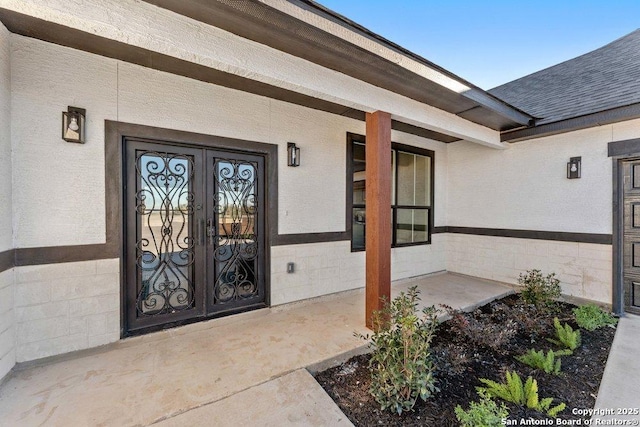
pixel 246 369
pixel 619 394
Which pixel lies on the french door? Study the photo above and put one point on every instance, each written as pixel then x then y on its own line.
pixel 194 234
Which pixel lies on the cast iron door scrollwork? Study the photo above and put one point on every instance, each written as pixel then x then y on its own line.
pixel 235 232
pixel 165 244
pixel 194 234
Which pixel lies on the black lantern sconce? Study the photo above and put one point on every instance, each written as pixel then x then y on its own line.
pixel 293 155
pixel 574 168
pixel 73 124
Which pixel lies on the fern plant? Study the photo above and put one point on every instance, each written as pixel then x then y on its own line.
pixel 515 391
pixel 549 363
pixel 566 337
pixel 400 365
pixel 592 317
pixel 483 413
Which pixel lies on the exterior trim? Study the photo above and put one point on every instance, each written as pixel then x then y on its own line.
pixel 600 118
pixel 628 147
pixel 7 260
pixel 601 239
pixel 303 238
pixel 618 237
pixel 60 254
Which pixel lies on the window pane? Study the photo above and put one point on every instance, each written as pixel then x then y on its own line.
pixel 412 226
pixel 358 174
pixel 422 183
pixel 406 165
pixel 414 175
pixel 357 224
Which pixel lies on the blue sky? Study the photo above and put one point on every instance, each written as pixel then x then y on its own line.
pixel 494 41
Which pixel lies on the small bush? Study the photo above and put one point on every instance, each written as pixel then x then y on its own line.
pixel 400 365
pixel 550 363
pixel 539 290
pixel 566 336
pixel 484 413
pixel 592 317
pixel 521 394
pixel 495 336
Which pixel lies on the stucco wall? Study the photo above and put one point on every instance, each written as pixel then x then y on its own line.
pixel 525 187
pixel 60 186
pixel 6 238
pixel 7 322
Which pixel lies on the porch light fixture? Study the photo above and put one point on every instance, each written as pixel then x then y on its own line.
pixel 574 168
pixel 73 125
pixel 293 155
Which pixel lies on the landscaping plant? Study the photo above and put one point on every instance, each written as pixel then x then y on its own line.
pixel 400 365
pixel 483 413
pixel 539 290
pixel 566 336
pixel 592 317
pixel 550 363
pixel 515 391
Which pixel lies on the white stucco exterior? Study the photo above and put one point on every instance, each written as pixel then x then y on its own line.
pixel 7 321
pixel 528 185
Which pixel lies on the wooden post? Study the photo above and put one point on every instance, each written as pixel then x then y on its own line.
pixel 378 212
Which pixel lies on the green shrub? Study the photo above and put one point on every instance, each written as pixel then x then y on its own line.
pixel 566 336
pixel 521 394
pixel 484 413
pixel 592 317
pixel 539 290
pixel 400 365
pixel 550 363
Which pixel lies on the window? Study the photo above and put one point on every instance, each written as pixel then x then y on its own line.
pixel 411 193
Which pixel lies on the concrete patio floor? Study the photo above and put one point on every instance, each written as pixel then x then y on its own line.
pixel 239 370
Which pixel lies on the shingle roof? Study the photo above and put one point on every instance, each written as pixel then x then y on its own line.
pixel 605 78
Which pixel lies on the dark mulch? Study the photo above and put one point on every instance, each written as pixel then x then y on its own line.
pixel 495 333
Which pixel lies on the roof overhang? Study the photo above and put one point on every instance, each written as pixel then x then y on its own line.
pixel 353 72
pixel 305 29
pixel 600 118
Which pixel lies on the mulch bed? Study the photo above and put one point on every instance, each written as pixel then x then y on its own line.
pixel 492 336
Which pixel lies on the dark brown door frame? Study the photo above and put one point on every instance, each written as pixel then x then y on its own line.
pixel 115 136
pixel 620 152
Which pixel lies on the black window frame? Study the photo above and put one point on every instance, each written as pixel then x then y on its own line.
pixel 357 138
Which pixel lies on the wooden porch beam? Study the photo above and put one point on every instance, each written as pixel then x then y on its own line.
pixel 378 212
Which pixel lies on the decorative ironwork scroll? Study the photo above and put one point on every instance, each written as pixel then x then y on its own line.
pixel 164 241
pixel 234 239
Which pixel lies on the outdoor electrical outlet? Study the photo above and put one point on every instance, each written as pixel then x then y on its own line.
pixel 290 267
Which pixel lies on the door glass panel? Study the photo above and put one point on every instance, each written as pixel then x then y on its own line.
pixel 234 235
pixel 164 242
pixel 358 229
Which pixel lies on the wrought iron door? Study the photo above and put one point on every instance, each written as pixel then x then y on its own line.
pixel 235 231
pixel 631 258
pixel 194 236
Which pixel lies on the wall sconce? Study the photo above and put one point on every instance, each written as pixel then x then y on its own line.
pixel 293 154
pixel 73 124
pixel 574 168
